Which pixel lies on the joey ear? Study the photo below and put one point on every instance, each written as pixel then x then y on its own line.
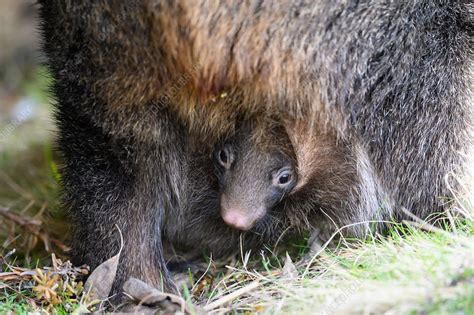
pixel 309 145
pixel 300 141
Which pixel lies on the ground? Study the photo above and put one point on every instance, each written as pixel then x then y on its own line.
pixel 416 268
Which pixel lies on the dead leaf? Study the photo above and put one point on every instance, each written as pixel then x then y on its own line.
pixel 102 278
pixel 289 269
pixel 138 309
pixel 99 284
pixel 147 295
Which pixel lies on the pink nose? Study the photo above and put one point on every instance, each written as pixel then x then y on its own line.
pixel 237 220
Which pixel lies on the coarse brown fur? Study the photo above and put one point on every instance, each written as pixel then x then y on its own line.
pixel 138 81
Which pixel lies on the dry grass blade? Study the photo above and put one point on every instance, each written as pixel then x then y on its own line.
pixel 232 296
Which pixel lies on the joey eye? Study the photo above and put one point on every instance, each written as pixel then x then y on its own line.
pixel 284 178
pixel 225 157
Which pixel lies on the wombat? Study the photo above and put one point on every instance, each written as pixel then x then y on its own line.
pixel 136 80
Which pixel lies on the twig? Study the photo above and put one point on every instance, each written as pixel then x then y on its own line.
pixel 32 226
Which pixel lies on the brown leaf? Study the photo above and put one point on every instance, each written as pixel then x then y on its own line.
pixel 289 269
pixel 102 278
pixel 138 309
pixel 99 284
pixel 149 296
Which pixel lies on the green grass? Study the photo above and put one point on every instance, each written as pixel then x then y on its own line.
pixel 23 303
pixel 412 270
pixel 9 302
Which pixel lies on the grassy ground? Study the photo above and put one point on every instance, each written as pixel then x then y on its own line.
pixel 416 269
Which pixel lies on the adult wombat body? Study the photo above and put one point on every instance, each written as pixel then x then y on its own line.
pixel 136 80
